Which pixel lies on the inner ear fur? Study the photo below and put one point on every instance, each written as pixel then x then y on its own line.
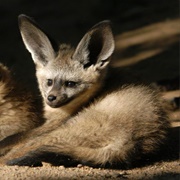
pixel 96 46
pixel 38 43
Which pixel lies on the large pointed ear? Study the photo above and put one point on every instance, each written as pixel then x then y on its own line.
pixel 36 41
pixel 96 46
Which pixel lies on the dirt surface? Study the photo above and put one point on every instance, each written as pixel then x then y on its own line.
pixel 147 44
pixel 160 170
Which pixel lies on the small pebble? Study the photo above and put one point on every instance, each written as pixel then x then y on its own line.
pixel 79 165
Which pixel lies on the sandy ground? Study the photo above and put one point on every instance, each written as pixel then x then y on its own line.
pixel 158 171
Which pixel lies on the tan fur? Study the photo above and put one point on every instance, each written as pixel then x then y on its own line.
pixel 103 122
pixel 17 114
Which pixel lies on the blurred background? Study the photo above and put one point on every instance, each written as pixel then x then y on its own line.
pixel 146 32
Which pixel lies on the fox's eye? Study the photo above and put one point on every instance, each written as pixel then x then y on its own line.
pixel 70 84
pixel 49 82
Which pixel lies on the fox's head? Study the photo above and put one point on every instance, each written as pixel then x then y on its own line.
pixel 67 74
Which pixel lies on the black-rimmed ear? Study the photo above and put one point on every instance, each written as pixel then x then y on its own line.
pixel 36 41
pixel 96 46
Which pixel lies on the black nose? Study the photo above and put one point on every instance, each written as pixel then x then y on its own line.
pixel 51 98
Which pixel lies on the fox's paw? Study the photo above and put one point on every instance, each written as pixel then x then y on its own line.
pixel 24 161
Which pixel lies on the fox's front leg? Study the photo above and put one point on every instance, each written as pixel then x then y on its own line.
pixel 25 161
pixel 52 148
pixel 36 157
pixel 32 159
